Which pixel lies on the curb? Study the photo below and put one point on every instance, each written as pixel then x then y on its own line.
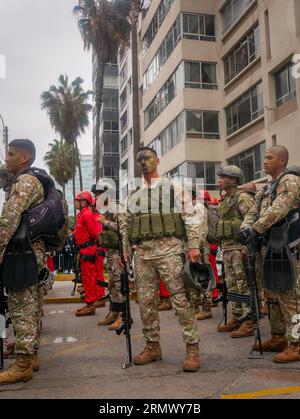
pixel 63 300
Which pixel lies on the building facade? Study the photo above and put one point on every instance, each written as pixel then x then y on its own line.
pixel 217 84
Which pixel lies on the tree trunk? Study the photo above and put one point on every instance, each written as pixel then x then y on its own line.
pixel 99 93
pixel 134 14
pixel 74 175
pixel 78 164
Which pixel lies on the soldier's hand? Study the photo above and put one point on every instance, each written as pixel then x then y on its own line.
pixel 194 255
pixel 246 234
pixel 101 218
pixel 120 264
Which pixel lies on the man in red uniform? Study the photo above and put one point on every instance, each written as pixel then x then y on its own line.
pixel 86 235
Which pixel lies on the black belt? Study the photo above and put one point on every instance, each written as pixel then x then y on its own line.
pixel 100 253
pixel 87 244
pixel 88 258
pixel 213 252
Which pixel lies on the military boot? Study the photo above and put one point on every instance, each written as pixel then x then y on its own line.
pixel 277 343
pixel 116 324
pixel 35 362
pixel 206 313
pixel 87 310
pixel 233 324
pixel 152 352
pixel 192 359
pixel 10 347
pixel 290 354
pixel 21 370
pixel 98 303
pixel 109 319
pixel 245 330
pixel 165 305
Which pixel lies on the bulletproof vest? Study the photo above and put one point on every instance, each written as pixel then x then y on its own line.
pixel 108 238
pixel 156 223
pixel 230 221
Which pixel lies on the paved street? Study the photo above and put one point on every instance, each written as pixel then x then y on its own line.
pixel 81 360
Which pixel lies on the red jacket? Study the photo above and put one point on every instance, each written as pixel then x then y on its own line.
pixel 87 227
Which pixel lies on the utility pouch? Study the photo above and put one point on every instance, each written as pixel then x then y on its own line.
pixel 20 268
pixel 157 226
pixel 169 224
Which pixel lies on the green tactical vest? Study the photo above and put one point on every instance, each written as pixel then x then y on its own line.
pixel 230 220
pixel 154 225
pixel 108 238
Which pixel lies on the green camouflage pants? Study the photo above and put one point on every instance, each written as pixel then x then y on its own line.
pixel 170 269
pixel 114 282
pixel 24 310
pixel 284 310
pixel 236 280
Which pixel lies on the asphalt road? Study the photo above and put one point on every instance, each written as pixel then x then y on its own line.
pixel 81 360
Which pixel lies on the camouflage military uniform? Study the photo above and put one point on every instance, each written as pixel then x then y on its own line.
pixel 262 216
pixel 24 306
pixel 233 251
pixel 164 257
pixel 112 255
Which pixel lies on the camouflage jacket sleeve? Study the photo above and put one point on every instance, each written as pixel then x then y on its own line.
pixel 189 216
pixel 125 218
pixel 245 203
pixel 203 217
pixel 253 214
pixel 286 200
pixel 25 193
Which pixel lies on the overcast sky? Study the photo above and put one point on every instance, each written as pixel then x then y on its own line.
pixel 40 40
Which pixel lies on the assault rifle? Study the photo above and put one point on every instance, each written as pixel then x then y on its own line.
pixel 126 314
pixel 77 273
pixel 3 321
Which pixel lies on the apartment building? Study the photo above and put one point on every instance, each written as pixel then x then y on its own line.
pixel 217 84
pixel 109 159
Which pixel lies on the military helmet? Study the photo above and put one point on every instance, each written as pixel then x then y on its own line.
pixel 199 276
pixel 291 169
pixel 232 171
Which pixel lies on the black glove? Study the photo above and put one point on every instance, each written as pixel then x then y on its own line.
pixel 246 235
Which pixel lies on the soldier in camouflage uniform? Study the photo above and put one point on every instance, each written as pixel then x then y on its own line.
pixel 233 209
pixel 24 306
pixel 159 238
pixel 108 239
pixel 284 306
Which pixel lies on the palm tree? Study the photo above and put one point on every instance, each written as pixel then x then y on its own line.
pixel 60 161
pixel 103 26
pixel 68 109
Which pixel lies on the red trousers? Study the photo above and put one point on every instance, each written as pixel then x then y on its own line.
pixel 213 263
pixel 99 265
pixel 89 275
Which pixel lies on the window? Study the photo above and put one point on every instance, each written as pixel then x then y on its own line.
pixel 123 121
pixel 233 10
pixel 251 162
pixel 110 82
pixel 111 126
pixel 111 149
pixel 190 26
pixel 123 73
pixel 245 110
pixel 123 98
pixel 242 55
pixel 124 144
pixel 285 84
pixel 202 124
pixel 110 103
pixel 198 170
pixel 200 75
pixel 124 168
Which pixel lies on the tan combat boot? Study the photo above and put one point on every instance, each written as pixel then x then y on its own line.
pixel 206 313
pixel 21 370
pixel 245 330
pixel 109 319
pixel 35 362
pixel 10 347
pixel 290 354
pixel 116 324
pixel 233 324
pixel 165 305
pixel 277 343
pixel 192 359
pixel 87 310
pixel 152 352
pixel 98 303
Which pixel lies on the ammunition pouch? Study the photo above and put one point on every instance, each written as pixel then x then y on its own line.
pixel 279 265
pixel 156 225
pixel 228 229
pixel 108 239
pixel 20 268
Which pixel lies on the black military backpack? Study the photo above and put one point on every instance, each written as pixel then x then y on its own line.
pixel 47 218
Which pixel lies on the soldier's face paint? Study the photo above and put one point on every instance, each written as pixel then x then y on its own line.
pixel 147 162
pixel 226 182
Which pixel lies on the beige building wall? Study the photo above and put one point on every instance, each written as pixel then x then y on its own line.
pixel 279 29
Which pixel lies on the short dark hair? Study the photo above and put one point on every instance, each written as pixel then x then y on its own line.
pixel 147 148
pixel 24 144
